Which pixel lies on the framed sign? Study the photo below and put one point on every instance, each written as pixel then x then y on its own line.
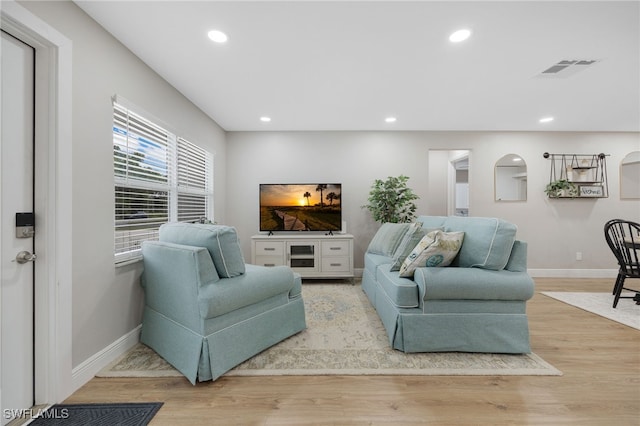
pixel 591 191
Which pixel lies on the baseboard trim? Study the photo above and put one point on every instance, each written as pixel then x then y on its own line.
pixel 573 273
pixel 84 372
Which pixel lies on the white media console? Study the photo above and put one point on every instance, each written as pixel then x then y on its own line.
pixel 310 255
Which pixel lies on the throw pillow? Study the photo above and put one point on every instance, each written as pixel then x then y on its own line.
pixel 436 249
pixel 221 241
pixel 413 236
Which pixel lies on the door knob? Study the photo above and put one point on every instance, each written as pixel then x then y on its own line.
pixel 25 256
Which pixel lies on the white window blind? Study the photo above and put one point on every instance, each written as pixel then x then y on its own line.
pixel 193 181
pixel 159 178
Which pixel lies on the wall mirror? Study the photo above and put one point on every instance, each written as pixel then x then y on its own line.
pixel 511 178
pixel 630 176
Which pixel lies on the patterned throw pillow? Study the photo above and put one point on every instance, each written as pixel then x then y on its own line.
pixel 413 236
pixel 435 249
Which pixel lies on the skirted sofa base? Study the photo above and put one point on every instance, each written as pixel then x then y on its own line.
pixel 459 308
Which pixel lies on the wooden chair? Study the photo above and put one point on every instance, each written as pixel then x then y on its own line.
pixel 623 237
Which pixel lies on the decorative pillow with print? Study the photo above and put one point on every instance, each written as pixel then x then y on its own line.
pixel 436 249
pixel 413 236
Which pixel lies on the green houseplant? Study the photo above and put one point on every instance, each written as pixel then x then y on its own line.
pixel 392 200
pixel 561 188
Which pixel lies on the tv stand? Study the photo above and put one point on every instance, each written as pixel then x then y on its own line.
pixel 310 255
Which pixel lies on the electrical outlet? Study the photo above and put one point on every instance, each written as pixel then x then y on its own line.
pixel 578 255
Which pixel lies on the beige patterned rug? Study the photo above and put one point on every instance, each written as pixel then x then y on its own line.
pixel 344 336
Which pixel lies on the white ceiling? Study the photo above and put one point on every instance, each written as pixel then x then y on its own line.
pixel 344 65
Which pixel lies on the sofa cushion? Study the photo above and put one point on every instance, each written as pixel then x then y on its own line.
pixel 221 241
pixel 432 222
pixel 387 239
pixel 259 283
pixel 436 249
pixel 487 241
pixel 373 261
pixel 402 292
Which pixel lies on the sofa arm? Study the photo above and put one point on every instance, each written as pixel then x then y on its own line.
pixel 171 278
pixel 518 257
pixel 454 283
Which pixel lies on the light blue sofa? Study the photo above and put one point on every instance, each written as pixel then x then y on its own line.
pixel 205 310
pixel 477 304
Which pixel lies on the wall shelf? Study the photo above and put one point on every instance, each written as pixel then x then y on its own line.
pixel 584 174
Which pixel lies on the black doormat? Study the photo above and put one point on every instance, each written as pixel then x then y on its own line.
pixel 129 414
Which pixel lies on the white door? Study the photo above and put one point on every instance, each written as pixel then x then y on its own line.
pixel 16 196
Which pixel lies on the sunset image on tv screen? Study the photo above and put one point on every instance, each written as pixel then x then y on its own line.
pixel 300 207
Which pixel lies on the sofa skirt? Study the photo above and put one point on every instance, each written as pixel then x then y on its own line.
pixel 202 358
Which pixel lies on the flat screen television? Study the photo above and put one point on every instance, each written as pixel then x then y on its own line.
pixel 301 207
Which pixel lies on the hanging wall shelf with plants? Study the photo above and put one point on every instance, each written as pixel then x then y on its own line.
pixel 577 176
pixel 561 188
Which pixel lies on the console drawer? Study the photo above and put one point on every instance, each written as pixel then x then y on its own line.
pixel 336 264
pixel 335 248
pixel 269 248
pixel 269 261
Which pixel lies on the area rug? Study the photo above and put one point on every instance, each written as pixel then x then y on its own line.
pixel 344 336
pixel 627 312
pixel 129 414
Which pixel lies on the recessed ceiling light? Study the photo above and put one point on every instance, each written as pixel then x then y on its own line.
pixel 460 35
pixel 390 119
pixel 546 120
pixel 217 36
pixel 265 119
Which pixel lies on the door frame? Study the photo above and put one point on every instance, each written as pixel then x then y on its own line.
pixel 53 201
pixel 456 156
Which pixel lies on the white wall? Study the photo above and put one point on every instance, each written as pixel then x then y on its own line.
pixel 554 229
pixel 630 176
pixel 107 301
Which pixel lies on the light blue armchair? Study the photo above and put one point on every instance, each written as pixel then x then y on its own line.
pixel 205 310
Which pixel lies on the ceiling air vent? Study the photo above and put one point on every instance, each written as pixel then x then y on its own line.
pixel 566 68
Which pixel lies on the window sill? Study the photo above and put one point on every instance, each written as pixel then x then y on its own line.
pixel 128 262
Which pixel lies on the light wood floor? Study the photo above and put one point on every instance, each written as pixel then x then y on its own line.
pixel 600 360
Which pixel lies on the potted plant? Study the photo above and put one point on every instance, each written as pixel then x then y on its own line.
pixel 392 200
pixel 561 188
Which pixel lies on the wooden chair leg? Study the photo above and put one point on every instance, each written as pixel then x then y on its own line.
pixel 619 280
pixel 619 288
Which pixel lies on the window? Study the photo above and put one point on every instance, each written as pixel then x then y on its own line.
pixel 159 177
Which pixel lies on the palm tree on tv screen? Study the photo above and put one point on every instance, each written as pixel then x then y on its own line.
pixel 307 195
pixel 332 196
pixel 321 187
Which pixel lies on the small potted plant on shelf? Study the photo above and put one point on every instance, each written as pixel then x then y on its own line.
pixel 561 188
pixel 392 200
